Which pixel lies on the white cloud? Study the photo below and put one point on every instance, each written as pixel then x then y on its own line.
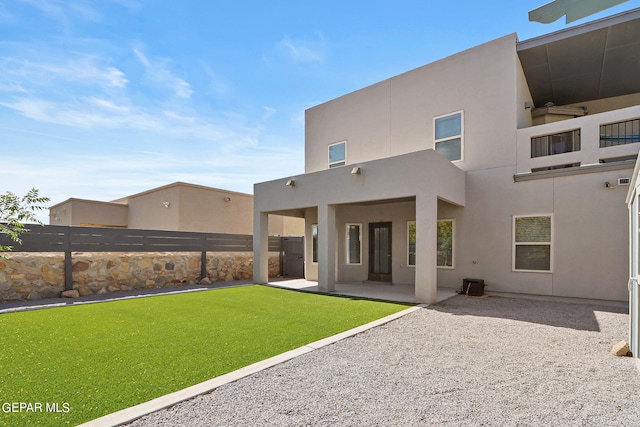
pixel 303 50
pixel 21 72
pixel 141 57
pixel 64 11
pixel 268 112
pixel 159 72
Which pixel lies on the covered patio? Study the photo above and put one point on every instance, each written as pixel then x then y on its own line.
pixel 373 196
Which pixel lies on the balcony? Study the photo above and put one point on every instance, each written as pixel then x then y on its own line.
pixel 589 143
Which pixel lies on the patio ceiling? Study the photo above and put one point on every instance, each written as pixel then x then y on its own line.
pixel 593 61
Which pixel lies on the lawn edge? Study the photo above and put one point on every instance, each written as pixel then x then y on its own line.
pixel 133 413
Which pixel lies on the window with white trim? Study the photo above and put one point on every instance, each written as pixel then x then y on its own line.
pixel 314 242
pixel 354 244
pixel 411 243
pixel 338 154
pixel 448 131
pixel 532 243
pixel 444 249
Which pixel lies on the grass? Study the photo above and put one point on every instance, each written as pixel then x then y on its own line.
pixel 95 359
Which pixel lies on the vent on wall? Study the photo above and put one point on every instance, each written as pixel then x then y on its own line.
pixel 624 181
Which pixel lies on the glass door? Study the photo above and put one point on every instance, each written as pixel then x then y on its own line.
pixel 380 252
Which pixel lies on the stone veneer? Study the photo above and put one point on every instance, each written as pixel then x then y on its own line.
pixel 32 276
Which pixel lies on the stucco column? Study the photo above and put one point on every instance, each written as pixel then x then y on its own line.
pixel 426 241
pixel 260 247
pixel 326 248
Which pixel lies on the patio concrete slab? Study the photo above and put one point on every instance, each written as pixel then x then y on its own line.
pixel 374 290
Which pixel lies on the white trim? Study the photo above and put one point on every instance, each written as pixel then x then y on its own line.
pixel 453 244
pixel 337 163
pixel 407 246
pixel 513 244
pixel 461 136
pixel 346 242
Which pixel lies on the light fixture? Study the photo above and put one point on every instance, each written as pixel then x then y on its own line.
pixel 355 171
pixel 291 183
pixel 527 105
pixel 227 199
pixel 166 204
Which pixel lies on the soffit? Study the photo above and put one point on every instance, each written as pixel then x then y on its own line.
pixel 588 62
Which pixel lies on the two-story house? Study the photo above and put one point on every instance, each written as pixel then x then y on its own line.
pixel 507 162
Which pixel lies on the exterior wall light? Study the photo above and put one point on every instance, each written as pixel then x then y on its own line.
pixel 356 171
pixel 166 204
pixel 227 199
pixel 291 183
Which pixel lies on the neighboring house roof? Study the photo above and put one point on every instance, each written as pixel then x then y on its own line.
pixel 73 199
pixel 178 184
pixel 597 60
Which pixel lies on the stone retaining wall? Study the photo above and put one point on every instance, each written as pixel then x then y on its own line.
pixel 32 276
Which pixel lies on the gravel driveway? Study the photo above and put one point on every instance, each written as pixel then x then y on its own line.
pixel 464 362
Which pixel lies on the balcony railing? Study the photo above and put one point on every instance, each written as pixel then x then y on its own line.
pixel 620 133
pixel 610 139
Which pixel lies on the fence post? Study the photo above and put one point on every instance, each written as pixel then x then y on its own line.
pixel 68 271
pixel 203 265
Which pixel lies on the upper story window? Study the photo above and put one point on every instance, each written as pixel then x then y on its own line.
pixel 620 133
pixel 557 143
pixel 338 154
pixel 448 132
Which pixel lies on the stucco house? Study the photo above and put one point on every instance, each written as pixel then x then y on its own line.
pixel 178 207
pixel 508 162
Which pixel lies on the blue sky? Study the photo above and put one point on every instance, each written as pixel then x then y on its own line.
pixel 103 99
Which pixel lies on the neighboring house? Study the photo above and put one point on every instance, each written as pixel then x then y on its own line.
pixel 506 162
pixel 178 206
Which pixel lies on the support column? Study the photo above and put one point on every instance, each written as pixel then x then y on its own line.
pixel 327 248
pixel 260 247
pixel 426 254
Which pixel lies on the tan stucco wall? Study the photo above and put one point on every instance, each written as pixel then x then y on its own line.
pixel 89 213
pixel 590 249
pixel 147 211
pixel 190 208
pixel 385 120
pixel 395 116
pixel 608 104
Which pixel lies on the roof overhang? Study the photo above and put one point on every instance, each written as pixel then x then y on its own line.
pixel 597 60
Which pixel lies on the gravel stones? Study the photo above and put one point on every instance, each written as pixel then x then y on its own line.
pixel 466 361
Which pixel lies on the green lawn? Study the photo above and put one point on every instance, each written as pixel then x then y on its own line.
pixel 95 359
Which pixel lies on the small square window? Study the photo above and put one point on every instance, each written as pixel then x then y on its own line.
pixel 448 136
pixel 338 154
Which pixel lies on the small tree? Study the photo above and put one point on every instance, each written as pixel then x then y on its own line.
pixel 16 211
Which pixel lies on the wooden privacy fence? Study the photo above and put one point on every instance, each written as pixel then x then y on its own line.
pixel 69 239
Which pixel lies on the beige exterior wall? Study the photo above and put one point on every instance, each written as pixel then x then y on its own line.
pixel 89 213
pixel 396 116
pixel 383 122
pixel 178 207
